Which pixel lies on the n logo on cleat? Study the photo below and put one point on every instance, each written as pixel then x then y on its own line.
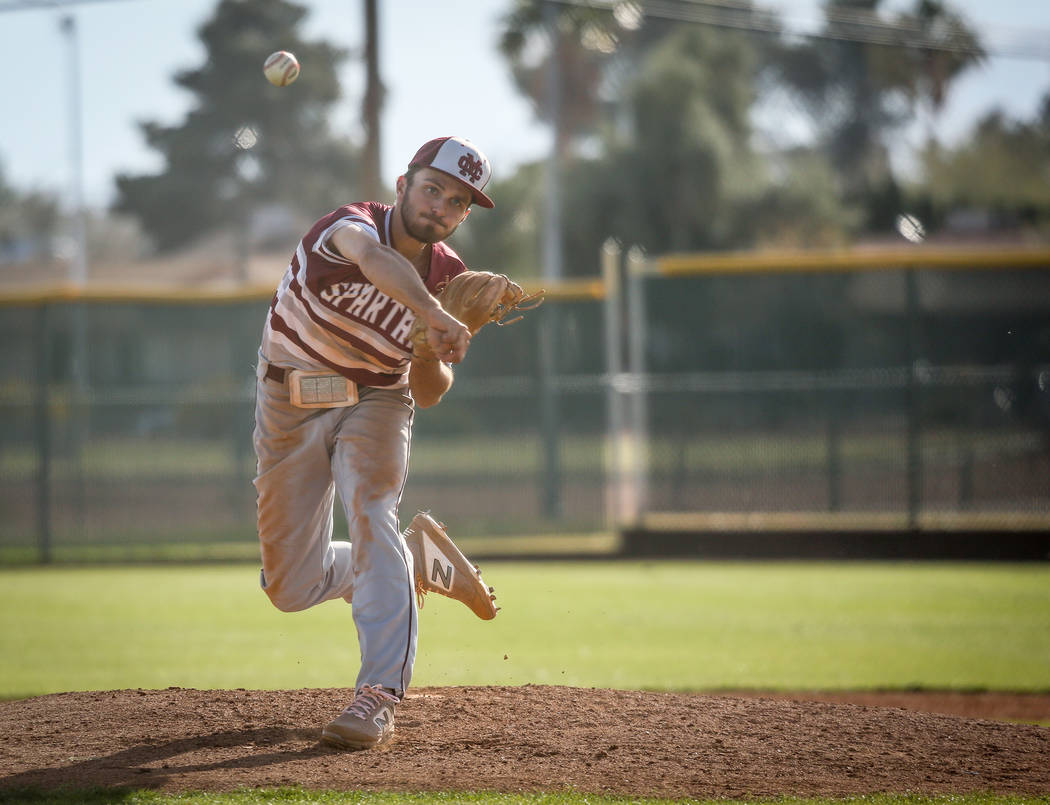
pixel 446 576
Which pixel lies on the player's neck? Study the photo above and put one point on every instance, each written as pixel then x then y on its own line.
pixel 417 252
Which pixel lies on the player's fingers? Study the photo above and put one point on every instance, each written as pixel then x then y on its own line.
pixel 436 340
pixel 449 345
pixel 456 347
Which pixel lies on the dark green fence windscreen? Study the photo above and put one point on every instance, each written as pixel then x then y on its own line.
pixel 909 397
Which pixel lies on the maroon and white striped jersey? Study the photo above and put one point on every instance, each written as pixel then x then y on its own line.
pixel 327 315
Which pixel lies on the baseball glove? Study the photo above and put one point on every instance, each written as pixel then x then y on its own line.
pixel 478 298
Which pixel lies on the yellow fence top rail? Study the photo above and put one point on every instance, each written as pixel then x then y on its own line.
pixel 980 258
pixel 35 295
pixel 31 295
pixel 586 288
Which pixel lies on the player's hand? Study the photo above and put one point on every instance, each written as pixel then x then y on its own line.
pixel 446 336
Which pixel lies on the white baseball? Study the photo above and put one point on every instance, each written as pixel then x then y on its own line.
pixel 911 228
pixel 281 68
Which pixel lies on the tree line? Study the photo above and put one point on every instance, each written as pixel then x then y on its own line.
pixel 671 134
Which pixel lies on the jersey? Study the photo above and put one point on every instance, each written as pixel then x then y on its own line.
pixel 327 315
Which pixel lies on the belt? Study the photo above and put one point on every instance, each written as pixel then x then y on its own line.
pixel 278 374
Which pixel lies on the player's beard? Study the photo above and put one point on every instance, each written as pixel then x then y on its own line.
pixel 425 231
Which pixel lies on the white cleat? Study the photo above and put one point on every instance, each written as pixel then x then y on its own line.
pixel 366 723
pixel 441 567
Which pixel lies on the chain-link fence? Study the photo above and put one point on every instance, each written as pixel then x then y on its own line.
pixel 126 428
pixel 836 395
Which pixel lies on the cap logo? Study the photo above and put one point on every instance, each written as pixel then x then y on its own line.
pixel 471 168
pixel 460 160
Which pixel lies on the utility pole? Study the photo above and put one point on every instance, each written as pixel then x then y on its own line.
pixel 550 408
pixel 373 103
pixel 552 223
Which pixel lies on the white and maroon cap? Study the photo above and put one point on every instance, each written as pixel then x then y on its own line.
pixel 460 159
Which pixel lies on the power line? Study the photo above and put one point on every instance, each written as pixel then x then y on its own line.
pixel 841 24
pixel 26 5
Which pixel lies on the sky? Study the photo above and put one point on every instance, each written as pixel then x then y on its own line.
pixel 129 51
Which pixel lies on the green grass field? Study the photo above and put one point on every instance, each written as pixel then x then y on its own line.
pixel 682 625
pixel 673 625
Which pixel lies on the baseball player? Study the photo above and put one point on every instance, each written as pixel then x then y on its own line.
pixel 354 340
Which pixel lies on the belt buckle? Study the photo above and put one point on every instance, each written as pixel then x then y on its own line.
pixel 320 390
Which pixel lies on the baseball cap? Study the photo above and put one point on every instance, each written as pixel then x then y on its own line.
pixel 460 159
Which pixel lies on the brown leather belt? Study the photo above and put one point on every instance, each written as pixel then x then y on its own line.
pixel 275 373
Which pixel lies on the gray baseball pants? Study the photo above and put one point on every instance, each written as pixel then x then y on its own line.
pixel 304 457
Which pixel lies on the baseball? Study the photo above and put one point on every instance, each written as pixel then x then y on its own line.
pixel 281 68
pixel 911 228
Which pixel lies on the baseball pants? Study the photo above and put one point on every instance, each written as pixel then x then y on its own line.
pixel 305 457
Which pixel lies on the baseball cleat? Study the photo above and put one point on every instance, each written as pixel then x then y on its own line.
pixel 366 723
pixel 441 567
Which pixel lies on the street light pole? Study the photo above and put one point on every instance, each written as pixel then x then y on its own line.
pixel 78 268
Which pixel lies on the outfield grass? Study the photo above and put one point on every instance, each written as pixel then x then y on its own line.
pixel 681 625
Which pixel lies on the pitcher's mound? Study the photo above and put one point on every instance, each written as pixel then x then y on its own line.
pixel 509 739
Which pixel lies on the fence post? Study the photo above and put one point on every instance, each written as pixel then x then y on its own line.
pixel 914 467
pixel 80 402
pixel 243 357
pixel 615 456
pixel 639 413
pixel 43 434
pixel 548 332
pixel 834 451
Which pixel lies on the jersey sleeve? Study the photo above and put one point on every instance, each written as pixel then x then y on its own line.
pixel 353 214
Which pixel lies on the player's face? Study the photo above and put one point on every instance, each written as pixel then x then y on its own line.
pixel 433 204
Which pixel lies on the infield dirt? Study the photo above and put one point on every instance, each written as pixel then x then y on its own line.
pixel 535 738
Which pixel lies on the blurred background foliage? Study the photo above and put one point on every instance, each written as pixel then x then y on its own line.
pixel 246 145
pixel 669 134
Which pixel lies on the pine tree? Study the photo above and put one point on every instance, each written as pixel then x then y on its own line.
pixel 245 143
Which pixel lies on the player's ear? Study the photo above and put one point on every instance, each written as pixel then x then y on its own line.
pixel 400 186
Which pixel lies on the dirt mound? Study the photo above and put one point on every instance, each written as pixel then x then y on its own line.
pixel 528 738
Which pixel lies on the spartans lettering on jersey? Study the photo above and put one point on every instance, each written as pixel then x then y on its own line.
pixel 366 303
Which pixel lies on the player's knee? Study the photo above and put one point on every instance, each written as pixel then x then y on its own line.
pixel 281 597
pixel 286 603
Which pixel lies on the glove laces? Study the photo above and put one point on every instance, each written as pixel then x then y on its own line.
pixel 530 302
pixel 367 698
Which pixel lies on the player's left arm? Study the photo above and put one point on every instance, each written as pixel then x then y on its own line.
pixel 429 379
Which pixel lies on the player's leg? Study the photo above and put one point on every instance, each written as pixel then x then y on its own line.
pixel 370 464
pixel 302 566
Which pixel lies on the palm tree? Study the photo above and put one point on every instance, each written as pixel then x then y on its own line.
pixel 865 76
pixel 946 48
pixel 558 55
